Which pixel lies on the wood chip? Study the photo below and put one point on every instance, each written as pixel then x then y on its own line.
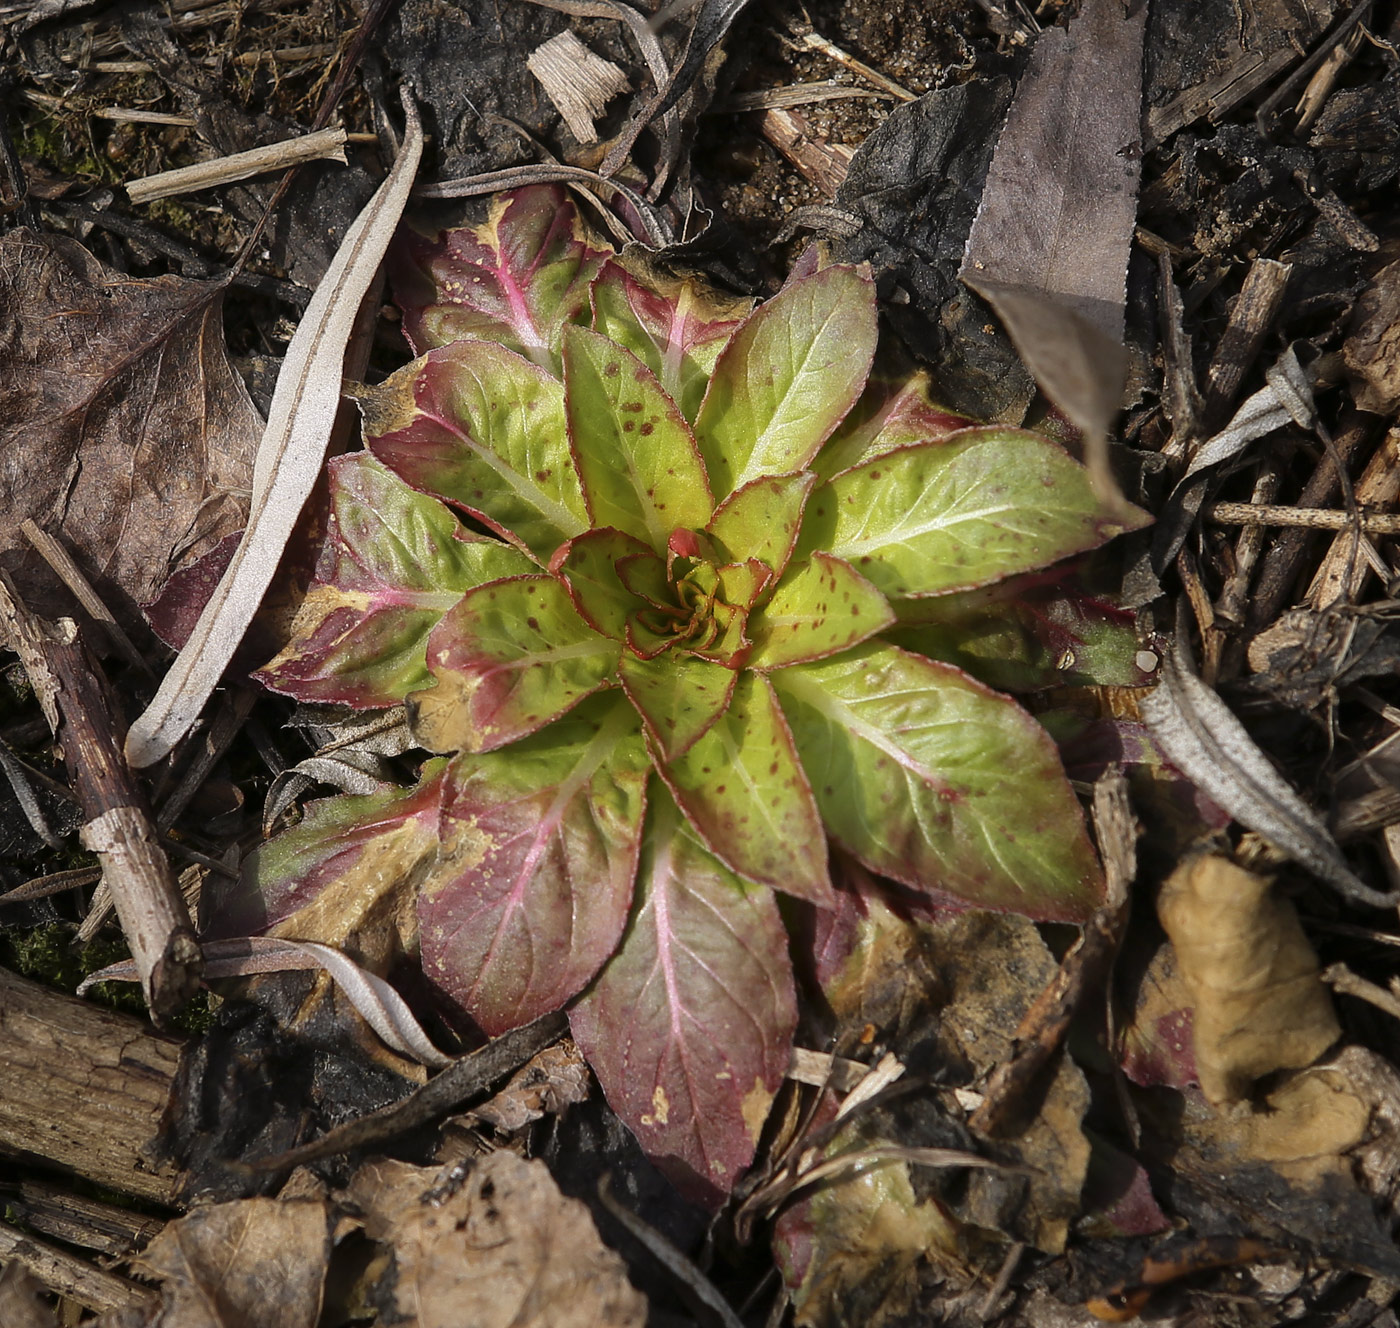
pixel 578 82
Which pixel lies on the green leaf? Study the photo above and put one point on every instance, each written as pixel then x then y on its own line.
pixel 587 565
pixel 676 328
pixel 742 788
pixel 689 1028
pixel 392 563
pixel 678 696
pixel 477 425
pixel 934 780
pixel 1026 634
pixel 762 519
pixel 530 891
pixel 820 607
pixel 518 279
pixel 891 413
pixel 787 378
pixel 981 505
pixel 641 470
pixel 510 657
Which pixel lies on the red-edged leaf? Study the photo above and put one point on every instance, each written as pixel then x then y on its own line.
pixel 641 470
pixel 676 329
pixel 973 508
pixel 743 789
pixel 740 584
pixel 689 1027
pixel 762 519
pixel 341 876
pixel 891 413
pixel 477 425
pixel 939 782
pixel 820 607
pixel 510 657
pixel 393 562
pixel 787 378
pixel 533 883
pixel 678 696
pixel 518 279
pixel 587 565
pixel 1026 634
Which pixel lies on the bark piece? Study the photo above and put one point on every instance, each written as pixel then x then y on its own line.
pixel 70 1276
pixel 86 1089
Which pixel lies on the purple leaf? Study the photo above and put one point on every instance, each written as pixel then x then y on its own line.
pixel 741 786
pixel 531 889
pixel 510 657
pixel 689 1027
pixel 393 562
pixel 517 279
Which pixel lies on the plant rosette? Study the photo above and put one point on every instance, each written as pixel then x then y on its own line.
pixel 633 555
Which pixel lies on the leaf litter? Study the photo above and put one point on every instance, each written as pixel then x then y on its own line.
pixel 1107 1083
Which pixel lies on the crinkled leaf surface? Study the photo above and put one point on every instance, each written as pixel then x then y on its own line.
pixel 1025 634
pixel 641 470
pixel 674 328
pixel 822 606
pixel 393 562
pixel 510 657
pixel 689 1027
pixel 678 696
pixel 891 413
pixel 344 875
pixel 518 279
pixel 740 785
pixel 762 519
pixel 479 426
pixel 532 885
pixel 588 566
pixel 935 781
pixel 978 506
pixel 787 378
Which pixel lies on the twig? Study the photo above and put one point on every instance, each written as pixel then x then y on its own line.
pixel 240 166
pixel 805 38
pixel 1341 979
pixel 1305 518
pixel 462 1080
pixel 1251 317
pixel 53 552
pixel 1340 576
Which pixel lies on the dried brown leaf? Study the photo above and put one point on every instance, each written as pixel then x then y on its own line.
pixel 505 1250
pixel 552 1081
pixel 254 1261
pixel 1260 1003
pixel 125 431
pixel 1049 246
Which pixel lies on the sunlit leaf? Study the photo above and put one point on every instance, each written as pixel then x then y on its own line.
pixel 762 519
pixel 935 781
pixel 478 426
pixel 393 562
pixel 689 1027
pixel 673 327
pixel 787 378
pixel 510 657
pixel 637 458
pixel 532 884
pixel 588 566
pixel 820 607
pixel 740 785
pixel 518 279
pixel 678 696
pixel 978 506
pixel 891 413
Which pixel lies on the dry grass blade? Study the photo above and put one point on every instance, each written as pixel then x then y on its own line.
pixel 1201 736
pixel 289 460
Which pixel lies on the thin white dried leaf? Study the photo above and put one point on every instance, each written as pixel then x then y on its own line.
pixel 289 460
pixel 1200 735
pixel 1260 414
